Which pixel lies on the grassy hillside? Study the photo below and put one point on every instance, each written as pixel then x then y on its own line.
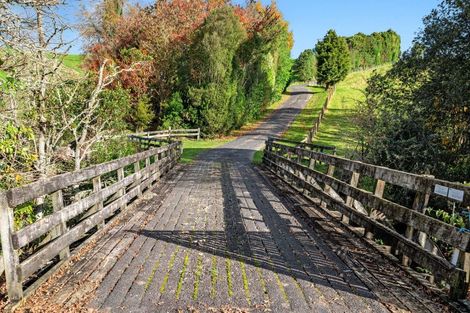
pixel 74 61
pixel 338 128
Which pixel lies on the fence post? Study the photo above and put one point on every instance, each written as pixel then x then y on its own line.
pixel 10 255
pixel 349 200
pixel 57 205
pixel 329 172
pixel 139 180
pixel 99 206
pixel 122 192
pixel 419 204
pixel 198 134
pixel 379 192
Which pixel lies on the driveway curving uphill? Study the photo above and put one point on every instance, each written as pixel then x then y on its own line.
pixel 220 235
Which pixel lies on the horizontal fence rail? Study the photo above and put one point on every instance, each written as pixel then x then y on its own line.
pixel 335 181
pixel 172 133
pixel 30 250
pixel 148 142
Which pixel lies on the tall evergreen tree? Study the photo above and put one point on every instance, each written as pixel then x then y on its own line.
pixel 333 62
pixel 375 49
pixel 305 66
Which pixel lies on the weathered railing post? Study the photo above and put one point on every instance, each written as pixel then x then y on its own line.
pixel 349 200
pixel 99 206
pixel 10 255
pixel 419 204
pixel 379 192
pixel 139 180
pixel 330 172
pixel 309 136
pixel 122 192
pixel 198 134
pixel 57 205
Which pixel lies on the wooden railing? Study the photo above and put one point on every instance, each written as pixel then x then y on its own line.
pixel 172 133
pixel 305 145
pixel 148 142
pixel 108 188
pixel 335 181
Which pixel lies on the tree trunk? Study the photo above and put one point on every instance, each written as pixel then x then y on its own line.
pixel 77 159
pixel 40 99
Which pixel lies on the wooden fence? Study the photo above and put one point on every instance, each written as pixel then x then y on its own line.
pixel 335 181
pixel 149 142
pixel 172 133
pixel 31 250
pixel 316 124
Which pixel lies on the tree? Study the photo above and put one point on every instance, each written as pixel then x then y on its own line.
pixel 34 35
pixel 418 115
pixel 87 110
pixel 42 94
pixel 255 71
pixel 305 66
pixel 210 84
pixel 375 49
pixel 333 62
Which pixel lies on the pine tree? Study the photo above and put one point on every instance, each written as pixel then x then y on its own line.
pixel 333 61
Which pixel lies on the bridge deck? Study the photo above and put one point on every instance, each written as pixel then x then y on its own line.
pixel 219 234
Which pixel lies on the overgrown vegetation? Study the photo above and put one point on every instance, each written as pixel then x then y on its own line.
pixel 417 116
pixel 216 66
pixel 305 66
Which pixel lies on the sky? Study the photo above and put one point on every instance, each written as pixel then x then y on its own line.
pixel 309 20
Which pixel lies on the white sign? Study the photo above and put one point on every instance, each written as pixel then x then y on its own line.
pixel 456 194
pixel 441 190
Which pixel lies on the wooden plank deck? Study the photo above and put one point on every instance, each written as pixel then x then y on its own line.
pixel 221 235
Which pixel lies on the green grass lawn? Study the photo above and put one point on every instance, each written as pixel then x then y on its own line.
pixel 192 148
pixel 338 128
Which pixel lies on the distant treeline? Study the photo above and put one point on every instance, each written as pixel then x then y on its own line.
pixel 374 49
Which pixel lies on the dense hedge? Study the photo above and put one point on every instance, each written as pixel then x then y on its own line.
pixel 374 49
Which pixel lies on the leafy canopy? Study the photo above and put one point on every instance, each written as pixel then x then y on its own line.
pixel 417 116
pixel 305 66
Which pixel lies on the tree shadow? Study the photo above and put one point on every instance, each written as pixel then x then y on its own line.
pixel 263 237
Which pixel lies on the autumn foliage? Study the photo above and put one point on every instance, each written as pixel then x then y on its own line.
pixel 164 42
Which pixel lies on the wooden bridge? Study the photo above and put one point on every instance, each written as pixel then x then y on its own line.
pixel 301 233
